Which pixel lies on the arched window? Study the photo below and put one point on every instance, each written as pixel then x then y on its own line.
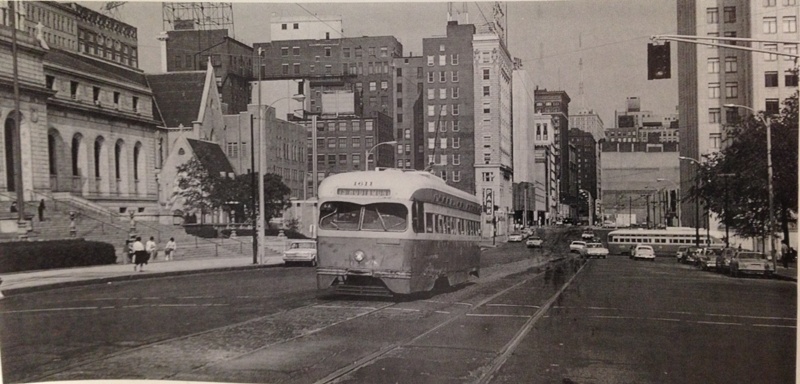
pixel 51 154
pixel 76 143
pixel 136 152
pixel 117 159
pixel 98 146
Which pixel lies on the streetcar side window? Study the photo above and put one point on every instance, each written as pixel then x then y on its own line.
pixel 417 217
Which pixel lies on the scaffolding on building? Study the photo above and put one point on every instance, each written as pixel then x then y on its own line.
pixel 197 16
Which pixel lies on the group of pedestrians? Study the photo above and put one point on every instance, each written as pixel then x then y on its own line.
pixel 140 254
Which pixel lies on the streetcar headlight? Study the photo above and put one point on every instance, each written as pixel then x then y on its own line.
pixel 359 256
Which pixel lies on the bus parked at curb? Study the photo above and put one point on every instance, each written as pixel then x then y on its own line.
pixel 665 242
pixel 395 232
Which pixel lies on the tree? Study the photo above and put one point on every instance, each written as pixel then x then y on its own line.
pixel 195 186
pixel 744 159
pixel 276 196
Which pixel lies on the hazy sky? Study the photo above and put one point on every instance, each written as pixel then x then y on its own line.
pixel 551 37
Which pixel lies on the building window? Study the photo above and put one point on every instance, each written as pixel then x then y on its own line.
pixel 135 104
pixel 714 115
pixel 296 68
pixel 769 3
pixel 454 92
pixel 455 142
pixel 486 91
pixel 486 73
pixel 456 176
pixel 789 2
pixel 368 126
pixel 295 26
pixel 431 126
pixel 790 79
pixel 790 49
pixel 790 24
pixel 712 15
pixel 456 159
pixel 431 110
pixel 772 107
pixel 442 93
pixel 443 110
pixel 430 77
pixel 731 89
pixel 770 25
pixel 442 76
pixel 331 142
pixel 430 60
pixel 486 108
pixel 358 52
pixel 431 143
pixel 406 133
pixel 343 159
pixel 731 64
pixel 455 110
pixel 399 102
pixel 455 76
pixel 487 176
pixel 384 85
pixel 713 65
pixel 73 90
pixel 713 34
pixel 431 93
pixel 771 56
pixel 373 86
pixel 284 26
pixel 771 79
pixel 732 115
pixel 730 14
pixel 346 53
pixel 713 90
pixel 399 117
pixel 285 69
pixel 284 51
pixel 730 34
pixel 371 51
pixel 454 59
pixel 456 127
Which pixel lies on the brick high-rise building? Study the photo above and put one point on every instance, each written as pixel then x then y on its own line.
pixel 409 119
pixel 556 104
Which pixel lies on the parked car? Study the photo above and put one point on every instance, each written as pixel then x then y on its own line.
pixel 707 257
pixel 587 235
pixel 644 252
pixel 751 263
pixel 301 251
pixel 594 250
pixel 576 246
pixel 724 259
pixel 515 238
pixel 534 242
pixel 680 254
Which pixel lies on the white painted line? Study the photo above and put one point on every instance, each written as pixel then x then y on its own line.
pixel 444 302
pixel 614 317
pixel 752 317
pixel 662 319
pixel 604 308
pixel 774 326
pixel 495 315
pixel 513 305
pixel 51 310
pixel 402 309
pixel 442 312
pixel 344 307
pixel 715 323
pixel 177 305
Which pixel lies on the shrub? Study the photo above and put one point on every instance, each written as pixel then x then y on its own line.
pixel 290 234
pixel 35 255
pixel 206 231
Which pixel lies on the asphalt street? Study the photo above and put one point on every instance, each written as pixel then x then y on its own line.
pixel 528 318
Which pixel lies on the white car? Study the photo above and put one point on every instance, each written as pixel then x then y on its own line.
pixel 577 246
pixel 515 238
pixel 301 251
pixel 534 242
pixel 644 252
pixel 594 250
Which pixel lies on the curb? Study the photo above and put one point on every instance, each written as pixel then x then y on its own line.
pixel 784 278
pixel 132 277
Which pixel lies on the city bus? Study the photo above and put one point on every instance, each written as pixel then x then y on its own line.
pixel 664 241
pixel 395 232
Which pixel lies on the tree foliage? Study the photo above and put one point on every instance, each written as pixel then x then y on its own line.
pixel 205 192
pixel 734 181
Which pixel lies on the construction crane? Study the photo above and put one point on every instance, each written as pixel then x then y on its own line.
pixel 111 8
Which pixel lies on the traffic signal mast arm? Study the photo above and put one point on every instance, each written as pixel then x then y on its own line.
pixel 698 40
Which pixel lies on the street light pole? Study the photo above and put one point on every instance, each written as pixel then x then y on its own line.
pixel 366 154
pixel 771 228
pixel 696 199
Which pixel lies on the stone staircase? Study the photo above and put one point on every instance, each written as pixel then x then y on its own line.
pixel 101 225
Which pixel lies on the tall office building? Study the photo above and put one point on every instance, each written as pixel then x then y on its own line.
pixel 711 77
pixel 556 105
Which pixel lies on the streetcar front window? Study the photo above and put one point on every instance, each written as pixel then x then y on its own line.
pixel 344 216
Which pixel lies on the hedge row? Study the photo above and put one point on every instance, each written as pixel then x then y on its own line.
pixel 36 255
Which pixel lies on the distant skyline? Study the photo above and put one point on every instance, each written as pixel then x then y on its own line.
pixel 551 38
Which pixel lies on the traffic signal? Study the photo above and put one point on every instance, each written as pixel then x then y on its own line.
pixel 658 61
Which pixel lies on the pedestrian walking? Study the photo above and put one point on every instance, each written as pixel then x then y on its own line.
pixel 169 249
pixel 151 248
pixel 41 210
pixel 140 255
pixel 785 253
pixel 127 250
pixel 13 207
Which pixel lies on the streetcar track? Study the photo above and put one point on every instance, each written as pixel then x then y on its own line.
pixel 372 357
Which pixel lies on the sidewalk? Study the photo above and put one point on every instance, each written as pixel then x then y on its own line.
pixel 25 282
pixel 787 273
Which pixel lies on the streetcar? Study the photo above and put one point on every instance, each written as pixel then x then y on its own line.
pixel 395 232
pixel 664 241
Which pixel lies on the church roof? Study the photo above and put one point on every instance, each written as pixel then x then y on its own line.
pixel 178 96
